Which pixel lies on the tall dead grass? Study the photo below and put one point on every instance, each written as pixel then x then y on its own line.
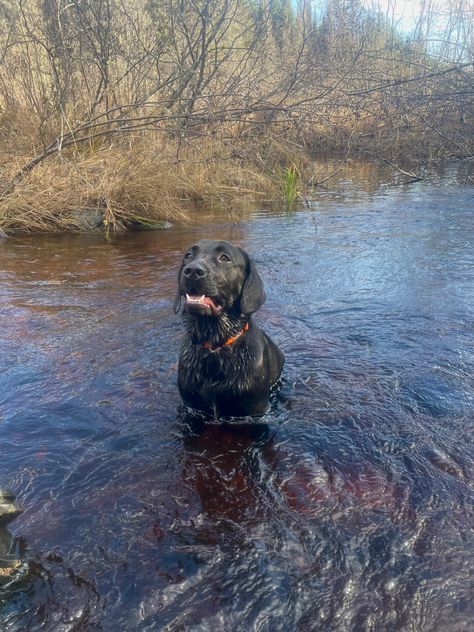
pixel 131 181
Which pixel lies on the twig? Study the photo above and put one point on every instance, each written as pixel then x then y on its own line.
pixel 320 182
pixel 413 176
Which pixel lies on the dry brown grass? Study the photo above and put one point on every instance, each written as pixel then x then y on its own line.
pixel 136 180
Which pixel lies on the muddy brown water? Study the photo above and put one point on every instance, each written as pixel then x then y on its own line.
pixel 348 508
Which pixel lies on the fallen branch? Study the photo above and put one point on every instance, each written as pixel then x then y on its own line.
pixel 414 177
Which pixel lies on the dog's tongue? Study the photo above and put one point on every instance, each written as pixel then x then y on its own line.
pixel 207 301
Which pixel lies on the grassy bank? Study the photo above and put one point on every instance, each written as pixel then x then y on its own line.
pixel 149 179
pixel 129 182
pixel 146 178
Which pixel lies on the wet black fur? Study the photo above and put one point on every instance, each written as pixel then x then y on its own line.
pixel 234 380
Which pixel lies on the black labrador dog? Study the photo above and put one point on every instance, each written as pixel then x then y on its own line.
pixel 227 363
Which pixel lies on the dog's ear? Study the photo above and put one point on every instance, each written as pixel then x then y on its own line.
pixel 253 293
pixel 177 300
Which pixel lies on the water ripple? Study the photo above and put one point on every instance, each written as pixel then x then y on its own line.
pixel 348 508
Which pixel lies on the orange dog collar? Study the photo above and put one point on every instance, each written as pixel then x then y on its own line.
pixel 229 341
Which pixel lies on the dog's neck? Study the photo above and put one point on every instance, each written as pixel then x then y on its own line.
pixel 214 332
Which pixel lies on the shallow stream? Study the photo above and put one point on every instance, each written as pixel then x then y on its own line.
pixel 348 509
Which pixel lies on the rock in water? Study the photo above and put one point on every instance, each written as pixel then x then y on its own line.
pixel 9 510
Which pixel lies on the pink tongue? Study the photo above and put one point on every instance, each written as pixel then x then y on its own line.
pixel 203 300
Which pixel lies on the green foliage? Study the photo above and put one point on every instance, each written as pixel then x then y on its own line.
pixel 290 184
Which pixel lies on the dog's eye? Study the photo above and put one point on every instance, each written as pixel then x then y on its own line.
pixel 224 257
pixel 188 256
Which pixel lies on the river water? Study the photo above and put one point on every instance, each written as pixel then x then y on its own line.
pixel 348 509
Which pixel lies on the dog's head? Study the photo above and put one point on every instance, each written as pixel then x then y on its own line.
pixel 217 278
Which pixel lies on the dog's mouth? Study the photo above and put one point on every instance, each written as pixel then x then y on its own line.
pixel 202 304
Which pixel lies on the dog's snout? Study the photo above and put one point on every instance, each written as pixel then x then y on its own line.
pixel 194 271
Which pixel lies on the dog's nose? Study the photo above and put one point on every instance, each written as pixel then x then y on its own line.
pixel 194 270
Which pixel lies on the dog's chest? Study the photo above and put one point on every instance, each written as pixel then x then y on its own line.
pixel 203 371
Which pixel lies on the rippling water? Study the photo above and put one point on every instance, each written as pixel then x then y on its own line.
pixel 349 508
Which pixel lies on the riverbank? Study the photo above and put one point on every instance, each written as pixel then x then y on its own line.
pixel 149 182
pixel 117 185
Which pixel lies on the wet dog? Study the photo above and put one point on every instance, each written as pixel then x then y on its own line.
pixel 227 364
